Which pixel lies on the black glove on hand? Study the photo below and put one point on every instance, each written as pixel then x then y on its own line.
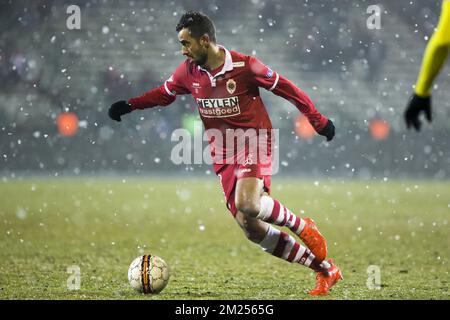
pixel 415 106
pixel 118 109
pixel 328 130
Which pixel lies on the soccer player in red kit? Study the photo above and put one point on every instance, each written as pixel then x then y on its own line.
pixel 225 85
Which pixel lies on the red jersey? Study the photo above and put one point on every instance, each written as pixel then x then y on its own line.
pixel 230 98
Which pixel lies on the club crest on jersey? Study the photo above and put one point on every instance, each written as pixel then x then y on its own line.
pixel 269 73
pixel 231 86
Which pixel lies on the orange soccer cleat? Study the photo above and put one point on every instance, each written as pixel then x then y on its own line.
pixel 325 280
pixel 313 239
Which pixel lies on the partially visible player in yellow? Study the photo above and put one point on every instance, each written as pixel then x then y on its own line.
pixel 436 53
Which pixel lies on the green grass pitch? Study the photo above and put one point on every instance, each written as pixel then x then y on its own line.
pixel 101 225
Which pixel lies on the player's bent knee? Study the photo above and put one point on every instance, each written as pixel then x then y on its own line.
pixel 248 207
pixel 255 230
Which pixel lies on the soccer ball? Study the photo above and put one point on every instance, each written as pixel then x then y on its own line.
pixel 148 274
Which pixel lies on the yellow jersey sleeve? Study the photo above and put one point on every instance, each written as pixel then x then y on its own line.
pixel 436 53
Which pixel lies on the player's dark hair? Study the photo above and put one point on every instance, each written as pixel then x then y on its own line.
pixel 198 24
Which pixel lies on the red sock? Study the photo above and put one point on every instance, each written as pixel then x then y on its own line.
pixel 274 212
pixel 284 246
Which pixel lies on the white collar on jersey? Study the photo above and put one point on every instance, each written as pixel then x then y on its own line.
pixel 227 66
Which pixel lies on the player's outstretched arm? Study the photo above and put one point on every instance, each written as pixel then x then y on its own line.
pixel 266 78
pixel 150 99
pixel 161 96
pixel 435 55
pixel 289 91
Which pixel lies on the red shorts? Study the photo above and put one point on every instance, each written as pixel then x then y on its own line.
pixel 229 175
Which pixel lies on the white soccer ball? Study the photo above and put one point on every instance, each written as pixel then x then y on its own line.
pixel 148 274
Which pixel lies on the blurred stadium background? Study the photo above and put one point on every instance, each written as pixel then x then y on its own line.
pixel 354 75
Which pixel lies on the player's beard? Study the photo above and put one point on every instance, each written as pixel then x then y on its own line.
pixel 202 58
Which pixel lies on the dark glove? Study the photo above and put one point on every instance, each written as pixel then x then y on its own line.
pixel 328 130
pixel 415 106
pixel 118 109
